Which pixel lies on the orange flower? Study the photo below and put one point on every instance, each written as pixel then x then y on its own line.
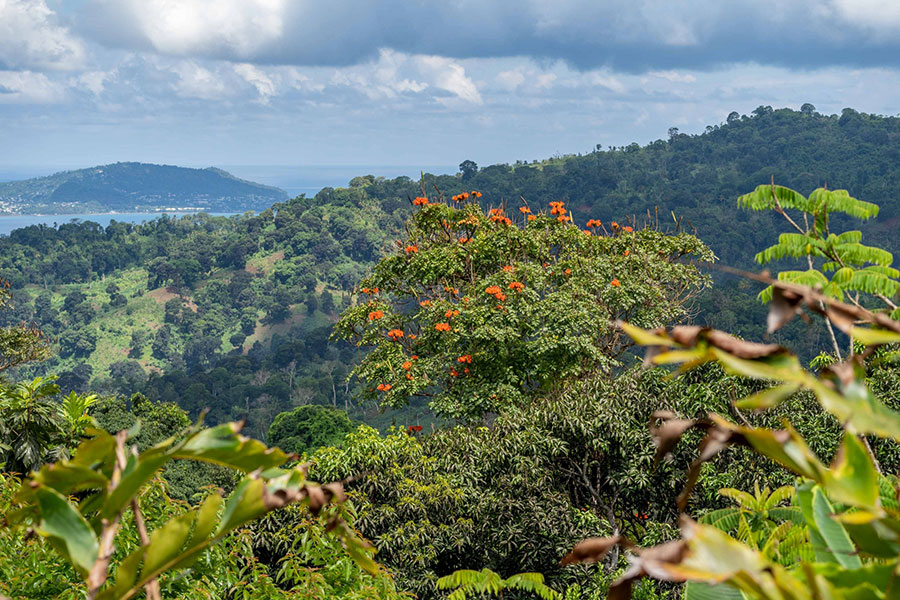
pixel 384 387
pixel 424 303
pixel 614 225
pixel 626 253
pixel 408 376
pixel 627 229
pixel 412 336
pixel 568 271
pixel 395 334
pixel 466 370
pixel 465 358
pixel 516 286
pixel 615 282
pixel 563 218
pixel 451 313
pixel 412 249
pixel 524 210
pixel 594 223
pixel 507 221
pixel 375 315
pixel 501 296
pixel 587 232
pixel 406 366
pixel 443 327
pixel 492 289
pixel 508 268
pixel 414 357
pixel 453 373
pixel 464 240
pixel 374 290
pixel 464 195
pixel 420 201
pixel 365 290
pixel 531 217
pixel 476 194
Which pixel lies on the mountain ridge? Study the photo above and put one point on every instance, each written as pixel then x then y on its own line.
pixel 135 186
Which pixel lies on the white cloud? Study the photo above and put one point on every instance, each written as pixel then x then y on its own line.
pixel 510 80
pixel 93 81
pixel 26 87
pixel 674 76
pixel 238 28
pixel 880 16
pixel 31 38
pixel 264 84
pixel 195 81
pixel 448 75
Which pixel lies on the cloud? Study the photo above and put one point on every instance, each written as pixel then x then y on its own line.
pixel 31 38
pixel 195 81
pixel 624 35
pixel 264 84
pixel 26 87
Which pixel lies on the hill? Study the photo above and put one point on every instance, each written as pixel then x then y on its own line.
pixel 135 187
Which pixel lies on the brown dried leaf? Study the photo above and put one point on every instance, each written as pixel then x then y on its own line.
pixel 590 550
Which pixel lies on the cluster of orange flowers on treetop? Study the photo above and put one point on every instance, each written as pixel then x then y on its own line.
pixel 497 216
pixel 412 249
pixel 615 282
pixel 556 208
pixel 443 327
pixel 496 292
pixel 465 240
pixel 371 291
pixel 384 387
pixel 516 286
pixel 627 229
pixel 594 223
pixel 465 358
pixel 407 365
pixel 420 201
pixel 451 313
pixel 563 218
pixel 508 268
pixel 375 315
pixel 458 197
pixel 425 303
pixel 395 334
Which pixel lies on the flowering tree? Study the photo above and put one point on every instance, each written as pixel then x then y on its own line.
pixel 480 310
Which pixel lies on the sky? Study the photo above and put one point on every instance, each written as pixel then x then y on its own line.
pixel 416 82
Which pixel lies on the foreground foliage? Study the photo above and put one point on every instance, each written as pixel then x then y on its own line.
pixel 849 510
pixel 108 477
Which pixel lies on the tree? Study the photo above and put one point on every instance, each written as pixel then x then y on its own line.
pixel 468 169
pixel 808 109
pixel 309 427
pixel 30 425
pixel 138 341
pixel 478 312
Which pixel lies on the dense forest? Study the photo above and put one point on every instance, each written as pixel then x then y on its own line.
pixel 460 357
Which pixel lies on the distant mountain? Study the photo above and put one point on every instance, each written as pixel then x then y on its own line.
pixel 136 187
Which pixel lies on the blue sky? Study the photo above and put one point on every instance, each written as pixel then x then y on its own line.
pixel 410 82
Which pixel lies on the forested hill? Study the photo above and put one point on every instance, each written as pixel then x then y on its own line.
pixel 235 313
pixel 138 187
pixel 700 176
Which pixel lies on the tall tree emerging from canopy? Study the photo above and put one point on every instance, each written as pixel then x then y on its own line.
pixel 478 311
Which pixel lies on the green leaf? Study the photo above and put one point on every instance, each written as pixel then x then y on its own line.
pixel 874 337
pixel 833 533
pixel 768 398
pixel 222 445
pixel 66 529
pixel 853 478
